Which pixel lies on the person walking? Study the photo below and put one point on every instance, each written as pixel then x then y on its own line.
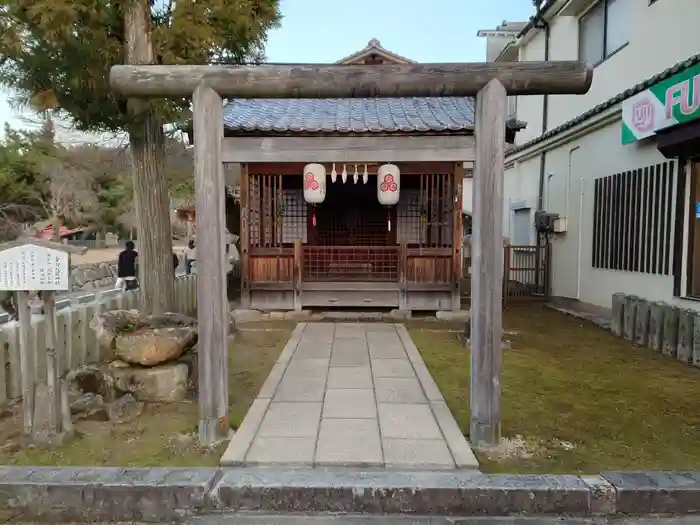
pixel 127 266
pixel 190 256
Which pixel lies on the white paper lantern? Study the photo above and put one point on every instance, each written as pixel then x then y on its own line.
pixel 314 183
pixel 388 184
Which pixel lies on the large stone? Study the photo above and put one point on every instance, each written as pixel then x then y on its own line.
pixel 641 323
pixel 164 383
pixel 670 333
pixel 629 317
pixel 686 329
pixel 656 325
pixel 618 307
pixel 150 347
pixel 145 340
pixel 90 379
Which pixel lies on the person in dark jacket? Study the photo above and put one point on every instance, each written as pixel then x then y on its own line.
pixel 127 266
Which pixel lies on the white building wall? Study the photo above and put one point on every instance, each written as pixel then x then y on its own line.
pixel 661 35
pixel 570 171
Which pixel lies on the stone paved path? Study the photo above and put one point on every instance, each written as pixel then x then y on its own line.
pixel 350 395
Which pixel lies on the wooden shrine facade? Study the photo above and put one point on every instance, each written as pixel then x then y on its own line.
pixel 350 251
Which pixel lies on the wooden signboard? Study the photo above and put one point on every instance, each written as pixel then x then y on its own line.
pixel 33 268
pixel 37 265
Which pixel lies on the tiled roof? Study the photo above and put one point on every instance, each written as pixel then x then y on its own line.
pixel 359 115
pixel 681 66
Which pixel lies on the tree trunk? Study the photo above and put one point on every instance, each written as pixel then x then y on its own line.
pixel 151 202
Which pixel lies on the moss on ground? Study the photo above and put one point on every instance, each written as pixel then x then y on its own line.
pixel 164 434
pixel 582 400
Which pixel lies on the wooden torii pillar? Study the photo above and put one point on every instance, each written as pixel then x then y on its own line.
pixel 491 83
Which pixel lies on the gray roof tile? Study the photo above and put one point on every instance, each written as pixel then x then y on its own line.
pixel 359 115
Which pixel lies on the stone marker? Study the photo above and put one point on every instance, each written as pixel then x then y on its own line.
pixel 629 315
pixel 696 341
pixel 656 325
pixel 618 308
pixel 686 329
pixel 641 323
pixel 670 335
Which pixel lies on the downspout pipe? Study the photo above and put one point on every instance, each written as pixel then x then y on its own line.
pixel 540 23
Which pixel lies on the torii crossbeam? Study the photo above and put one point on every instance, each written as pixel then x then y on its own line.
pixel 491 83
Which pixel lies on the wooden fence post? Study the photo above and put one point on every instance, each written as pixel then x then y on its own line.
pixel 212 304
pixel 26 356
pixel 487 266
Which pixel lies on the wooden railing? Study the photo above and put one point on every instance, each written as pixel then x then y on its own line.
pixel 526 273
pixel 289 267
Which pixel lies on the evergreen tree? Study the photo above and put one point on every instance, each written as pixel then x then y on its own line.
pixel 57 55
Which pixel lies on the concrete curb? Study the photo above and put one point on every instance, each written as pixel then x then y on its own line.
pixel 172 494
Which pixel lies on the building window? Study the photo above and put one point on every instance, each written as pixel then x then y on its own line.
pixel 522 226
pixel 632 219
pixel 603 30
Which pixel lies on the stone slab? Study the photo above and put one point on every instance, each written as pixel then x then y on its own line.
pixel 640 493
pixel 94 494
pixel 349 442
pixel 603 497
pixel 310 350
pixel 273 380
pixel 290 347
pixel 379 350
pixel 404 421
pixel 240 444
pixel 300 389
pixel 307 369
pixel 392 368
pixel 350 403
pixel 291 420
pixel 349 357
pixel 349 377
pixel 399 390
pixel 291 451
pixel 354 331
pixel 461 452
pixel 408 344
pixel 432 392
pixel 426 454
pixel 160 495
pixel 459 493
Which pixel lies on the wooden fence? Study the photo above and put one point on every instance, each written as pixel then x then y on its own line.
pixel 526 272
pixel 76 343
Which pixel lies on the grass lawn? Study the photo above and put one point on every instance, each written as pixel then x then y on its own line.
pixel 164 434
pixel 582 400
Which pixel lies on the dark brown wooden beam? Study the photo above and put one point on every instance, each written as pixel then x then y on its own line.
pixel 345 81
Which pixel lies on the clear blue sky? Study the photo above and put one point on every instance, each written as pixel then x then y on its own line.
pixel 425 31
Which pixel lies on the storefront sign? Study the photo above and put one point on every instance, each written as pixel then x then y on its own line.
pixel 673 101
pixel 33 268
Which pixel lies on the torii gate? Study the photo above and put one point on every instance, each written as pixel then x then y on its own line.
pixel 491 83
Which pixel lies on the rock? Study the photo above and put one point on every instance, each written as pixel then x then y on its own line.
pixel 164 383
pixel 153 346
pixel 86 404
pixel 124 409
pixel 90 379
pixel 191 360
pixel 109 325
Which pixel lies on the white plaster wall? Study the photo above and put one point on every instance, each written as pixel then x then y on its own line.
pixel 661 35
pixel 530 108
pixel 570 170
